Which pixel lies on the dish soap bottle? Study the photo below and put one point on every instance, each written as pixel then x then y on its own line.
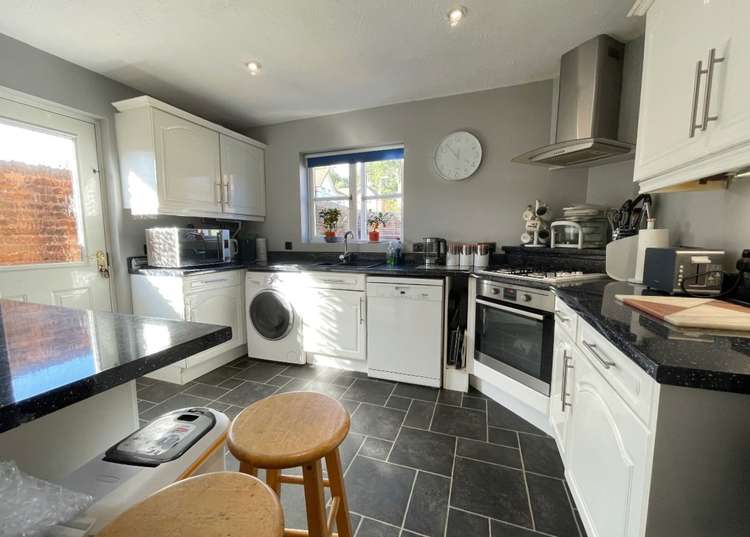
pixel 393 252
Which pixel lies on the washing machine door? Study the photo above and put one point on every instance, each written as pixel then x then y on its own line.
pixel 271 314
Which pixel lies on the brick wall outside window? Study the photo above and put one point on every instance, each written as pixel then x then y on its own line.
pixel 37 215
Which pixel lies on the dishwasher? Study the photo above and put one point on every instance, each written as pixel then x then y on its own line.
pixel 405 329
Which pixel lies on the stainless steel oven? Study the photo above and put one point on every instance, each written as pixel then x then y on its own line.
pixel 514 332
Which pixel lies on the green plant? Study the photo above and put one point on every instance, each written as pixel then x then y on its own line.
pixel 375 220
pixel 329 218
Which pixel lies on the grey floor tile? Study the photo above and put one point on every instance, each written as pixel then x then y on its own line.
pixel 377 421
pixel 425 393
pixel 262 372
pixel 501 529
pixel 476 403
pixel 486 452
pixel 499 416
pixel 425 450
pixel 231 383
pixel 221 407
pixel 143 382
pixel 463 524
pixel 354 520
pixel 460 422
pixel 294 385
pixel 376 448
pixel 143 406
pixel 549 502
pixel 394 401
pixel 232 410
pixel 503 437
pixel 206 390
pixel 241 363
pixel 301 371
pixel 349 447
pixel 369 391
pixel 407 533
pixel 326 388
pixel 450 397
pixel 379 490
pixel 247 393
pixel 278 380
pixel 420 414
pixel 373 528
pixel 350 406
pixel 540 455
pixel 159 391
pixel 428 507
pixel 218 375
pixel 173 403
pixel 490 490
pixel 344 379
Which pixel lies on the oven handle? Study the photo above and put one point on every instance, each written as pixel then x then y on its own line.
pixel 514 311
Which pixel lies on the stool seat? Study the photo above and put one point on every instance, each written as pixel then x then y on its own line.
pixel 287 430
pixel 221 504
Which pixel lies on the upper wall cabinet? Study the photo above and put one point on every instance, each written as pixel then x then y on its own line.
pixel 694 119
pixel 175 163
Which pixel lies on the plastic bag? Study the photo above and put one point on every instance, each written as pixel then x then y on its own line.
pixel 30 506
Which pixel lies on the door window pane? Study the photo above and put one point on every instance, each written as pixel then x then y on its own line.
pixel 39 208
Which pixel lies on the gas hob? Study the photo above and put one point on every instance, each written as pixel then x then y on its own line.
pixel 542 275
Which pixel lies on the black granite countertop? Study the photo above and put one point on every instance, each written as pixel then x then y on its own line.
pixel 692 358
pixel 52 357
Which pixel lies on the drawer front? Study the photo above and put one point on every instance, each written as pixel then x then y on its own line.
pixel 632 384
pixel 335 280
pixel 565 319
pixel 215 280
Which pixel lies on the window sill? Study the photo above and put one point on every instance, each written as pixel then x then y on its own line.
pixel 341 241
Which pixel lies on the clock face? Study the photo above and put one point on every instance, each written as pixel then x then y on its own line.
pixel 458 156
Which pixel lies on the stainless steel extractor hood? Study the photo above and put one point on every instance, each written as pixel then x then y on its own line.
pixel 588 109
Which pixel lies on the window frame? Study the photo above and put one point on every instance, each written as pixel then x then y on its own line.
pixel 357 187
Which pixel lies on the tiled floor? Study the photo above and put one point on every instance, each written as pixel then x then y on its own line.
pixel 418 461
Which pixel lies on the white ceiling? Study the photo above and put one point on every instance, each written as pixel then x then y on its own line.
pixel 319 56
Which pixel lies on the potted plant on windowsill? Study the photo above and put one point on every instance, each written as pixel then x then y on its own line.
pixel 329 218
pixel 374 222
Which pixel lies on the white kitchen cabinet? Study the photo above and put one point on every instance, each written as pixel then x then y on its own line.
pixel 334 323
pixel 243 177
pixel 561 392
pixel 606 455
pixel 172 162
pixel 187 157
pixel 678 94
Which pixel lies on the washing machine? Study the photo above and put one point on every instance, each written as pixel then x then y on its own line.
pixel 274 324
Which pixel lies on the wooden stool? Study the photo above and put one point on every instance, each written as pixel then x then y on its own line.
pixel 297 429
pixel 221 504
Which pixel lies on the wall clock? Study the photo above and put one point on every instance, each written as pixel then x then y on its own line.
pixel 458 156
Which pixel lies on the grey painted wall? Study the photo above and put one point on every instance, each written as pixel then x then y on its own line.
pixel 486 207
pixel 32 71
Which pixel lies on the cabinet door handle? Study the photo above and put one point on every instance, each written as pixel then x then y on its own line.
pixel 562 318
pixel 699 71
pixel 564 391
pixel 206 282
pixel 361 310
pixel 188 312
pixel 712 61
pixel 595 351
pixel 217 192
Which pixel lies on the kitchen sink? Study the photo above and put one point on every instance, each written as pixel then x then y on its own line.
pixel 353 265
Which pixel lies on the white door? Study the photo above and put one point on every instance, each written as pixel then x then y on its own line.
pixel 51 216
pixel 605 456
pixel 678 35
pixel 561 392
pixel 334 323
pixel 243 177
pixel 224 306
pixel 188 160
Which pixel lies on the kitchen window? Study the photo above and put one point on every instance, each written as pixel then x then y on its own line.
pixel 360 184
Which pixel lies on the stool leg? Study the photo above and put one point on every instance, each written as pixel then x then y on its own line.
pixel 273 478
pixel 312 475
pixel 336 480
pixel 245 468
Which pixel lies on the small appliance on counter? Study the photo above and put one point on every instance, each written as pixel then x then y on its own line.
pixel 434 251
pixel 173 247
pixel 684 271
pixel 581 226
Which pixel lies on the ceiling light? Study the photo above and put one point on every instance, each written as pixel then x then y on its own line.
pixel 253 67
pixel 456 15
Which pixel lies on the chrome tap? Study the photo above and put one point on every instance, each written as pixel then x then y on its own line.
pixel 345 258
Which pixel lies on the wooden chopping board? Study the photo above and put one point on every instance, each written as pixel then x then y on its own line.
pixel 692 312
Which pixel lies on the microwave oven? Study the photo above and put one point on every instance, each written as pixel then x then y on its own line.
pixel 174 247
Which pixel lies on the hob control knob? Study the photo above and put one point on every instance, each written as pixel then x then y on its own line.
pixel 525 298
pixel 495 291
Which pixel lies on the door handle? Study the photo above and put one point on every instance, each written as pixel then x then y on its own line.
pixel 228 186
pixel 595 351
pixel 699 71
pixel 564 391
pixel 102 263
pixel 562 318
pixel 712 61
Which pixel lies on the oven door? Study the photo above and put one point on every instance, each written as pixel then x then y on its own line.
pixel 515 342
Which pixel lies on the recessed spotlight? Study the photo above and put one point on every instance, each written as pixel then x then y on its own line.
pixel 253 67
pixel 456 15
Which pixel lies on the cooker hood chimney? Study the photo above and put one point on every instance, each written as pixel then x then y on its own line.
pixel 588 109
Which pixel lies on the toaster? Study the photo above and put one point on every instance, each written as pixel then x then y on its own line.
pixel 681 270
